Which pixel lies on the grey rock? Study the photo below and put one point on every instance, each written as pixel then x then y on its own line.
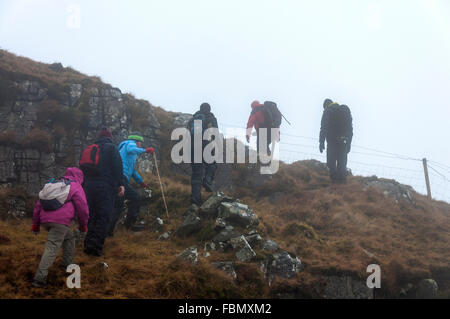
pixel 254 240
pixel 157 225
pixel 220 224
pixel 243 250
pixel 426 289
pixel 190 254
pixel 227 267
pixel 282 264
pixel 270 245
pixel 237 214
pixel 391 188
pixel 346 287
pixel 225 235
pixel 192 210
pixel 210 206
pixel 190 225
pixel 164 236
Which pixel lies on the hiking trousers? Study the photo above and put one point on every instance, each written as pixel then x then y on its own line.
pixel 100 198
pixel 58 235
pixel 197 179
pixel 337 161
pixel 133 205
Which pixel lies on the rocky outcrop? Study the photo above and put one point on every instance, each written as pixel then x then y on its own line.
pixel 391 188
pixel 44 126
pixel 346 287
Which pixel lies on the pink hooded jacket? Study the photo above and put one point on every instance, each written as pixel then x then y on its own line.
pixel 76 202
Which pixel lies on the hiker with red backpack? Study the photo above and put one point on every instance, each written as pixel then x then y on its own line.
pixel 337 130
pixel 265 117
pixel 102 167
pixel 59 202
pixel 129 151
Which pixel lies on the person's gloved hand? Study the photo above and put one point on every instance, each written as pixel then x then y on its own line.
pixel 121 191
pixel 321 147
pixel 248 138
pixel 82 228
pixel 35 229
pixel 144 185
pixel 150 150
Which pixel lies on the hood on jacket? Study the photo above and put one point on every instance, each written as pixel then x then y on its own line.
pixel 256 104
pixel 74 174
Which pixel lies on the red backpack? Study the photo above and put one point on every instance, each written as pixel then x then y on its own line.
pixel 90 159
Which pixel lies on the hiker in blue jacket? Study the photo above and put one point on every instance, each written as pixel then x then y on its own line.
pixel 129 151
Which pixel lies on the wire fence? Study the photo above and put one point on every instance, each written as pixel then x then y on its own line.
pixel 363 161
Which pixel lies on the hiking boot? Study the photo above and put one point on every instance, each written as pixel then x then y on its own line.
pixel 92 252
pixel 207 187
pixel 39 284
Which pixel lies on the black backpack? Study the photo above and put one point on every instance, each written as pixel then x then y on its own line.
pixel 340 120
pixel 272 115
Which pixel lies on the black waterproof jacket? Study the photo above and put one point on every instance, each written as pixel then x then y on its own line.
pixel 336 122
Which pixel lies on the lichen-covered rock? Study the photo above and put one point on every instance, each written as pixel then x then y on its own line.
pixel 226 235
pixel 164 236
pixel 243 250
pixel 192 210
pixel 254 240
pixel 190 225
pixel 270 245
pixel 227 267
pixel 210 206
pixel 281 264
pixel 391 188
pixel 238 214
pixel 190 255
pixel 157 225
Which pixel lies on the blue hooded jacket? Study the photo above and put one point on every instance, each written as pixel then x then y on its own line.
pixel 129 151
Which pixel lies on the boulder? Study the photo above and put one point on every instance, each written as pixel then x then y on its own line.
pixel 227 267
pixel 426 289
pixel 210 206
pixel 157 225
pixel 226 235
pixel 237 214
pixel 254 240
pixel 190 255
pixel 243 250
pixel 391 188
pixel 191 224
pixel 192 210
pixel 270 245
pixel 220 224
pixel 281 264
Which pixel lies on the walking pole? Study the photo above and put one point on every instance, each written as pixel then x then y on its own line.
pixel 285 119
pixel 162 190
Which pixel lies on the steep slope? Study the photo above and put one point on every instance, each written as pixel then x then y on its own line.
pixel 48 112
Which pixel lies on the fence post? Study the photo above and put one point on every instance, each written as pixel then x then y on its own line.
pixel 427 177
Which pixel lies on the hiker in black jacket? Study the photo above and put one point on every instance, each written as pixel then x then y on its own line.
pixel 198 180
pixel 101 189
pixel 337 130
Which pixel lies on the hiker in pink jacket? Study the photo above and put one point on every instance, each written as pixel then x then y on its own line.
pixel 57 224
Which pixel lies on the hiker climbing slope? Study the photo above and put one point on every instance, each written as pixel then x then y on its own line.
pixel 102 167
pixel 264 117
pixel 70 201
pixel 129 151
pixel 207 120
pixel 337 130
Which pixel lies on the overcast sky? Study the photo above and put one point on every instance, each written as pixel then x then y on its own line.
pixel 389 61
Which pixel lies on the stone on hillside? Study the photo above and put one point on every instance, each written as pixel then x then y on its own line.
pixel 282 264
pixel 227 267
pixel 190 225
pixel 192 210
pixel 391 188
pixel 426 289
pixel 220 224
pixel 210 206
pixel 243 250
pixel 238 214
pixel 346 287
pixel 208 248
pixel 190 255
pixel 270 245
pixel 226 235
pixel 254 240
pixel 157 225
pixel 164 236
